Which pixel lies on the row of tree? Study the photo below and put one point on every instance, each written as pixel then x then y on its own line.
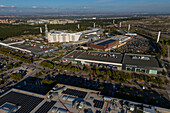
pixel 47 64
pixel 16 55
pixel 16 77
pixel 165 48
pixel 113 74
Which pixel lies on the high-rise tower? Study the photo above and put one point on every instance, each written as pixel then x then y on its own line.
pixel 120 24
pixel 159 34
pixel 46 31
pixel 129 28
pixel 113 22
pixel 78 26
pixel 40 30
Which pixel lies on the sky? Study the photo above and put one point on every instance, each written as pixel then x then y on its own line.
pixel 84 6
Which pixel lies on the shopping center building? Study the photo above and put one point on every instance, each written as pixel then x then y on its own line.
pixel 130 62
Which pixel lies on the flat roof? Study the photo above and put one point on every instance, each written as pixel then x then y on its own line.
pixel 114 58
pixel 106 42
pixel 74 54
pixel 46 107
pixel 101 56
pixel 96 41
pixel 35 50
pixel 27 102
pixel 27 47
pixel 152 61
pixel 91 30
pixel 59 31
pixel 8 107
pixel 30 102
pixel 11 41
pixel 73 92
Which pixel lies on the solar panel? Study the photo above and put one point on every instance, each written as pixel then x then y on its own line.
pixel 46 107
pixel 98 103
pixel 98 111
pixel 77 93
pixel 27 102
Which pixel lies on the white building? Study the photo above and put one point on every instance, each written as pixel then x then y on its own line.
pixel 62 36
pixel 65 36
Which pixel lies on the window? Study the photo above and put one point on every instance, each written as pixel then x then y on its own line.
pixel 129 68
pixel 143 70
pixel 64 38
pixel 73 38
pixel 54 38
pixel 153 72
pixel 140 70
pixel 137 69
pixel 114 67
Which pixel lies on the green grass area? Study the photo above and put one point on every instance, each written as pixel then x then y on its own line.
pixel 46 57
pixel 58 58
pixel 60 53
pixel 139 111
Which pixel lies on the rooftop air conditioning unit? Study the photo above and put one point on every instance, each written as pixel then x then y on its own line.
pixel 145 58
pixel 136 57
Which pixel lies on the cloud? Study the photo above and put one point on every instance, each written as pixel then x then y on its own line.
pixel 13 6
pixel 34 7
pixel 3 6
pixel 85 7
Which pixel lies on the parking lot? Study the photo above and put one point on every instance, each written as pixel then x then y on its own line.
pixel 138 44
pixel 6 80
pixel 7 63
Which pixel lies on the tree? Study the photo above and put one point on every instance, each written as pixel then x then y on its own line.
pixel 46 64
pixel 163 48
pixel 146 78
pixel 97 72
pixel 132 76
pixel 86 69
pixel 109 73
pixel 163 72
pixel 48 82
pixel 73 69
pixel 128 76
pixel 38 74
pixel 92 71
pixel 166 81
pixel 159 81
pixel 102 72
pixel 167 48
pixel 1 81
pixel 16 77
